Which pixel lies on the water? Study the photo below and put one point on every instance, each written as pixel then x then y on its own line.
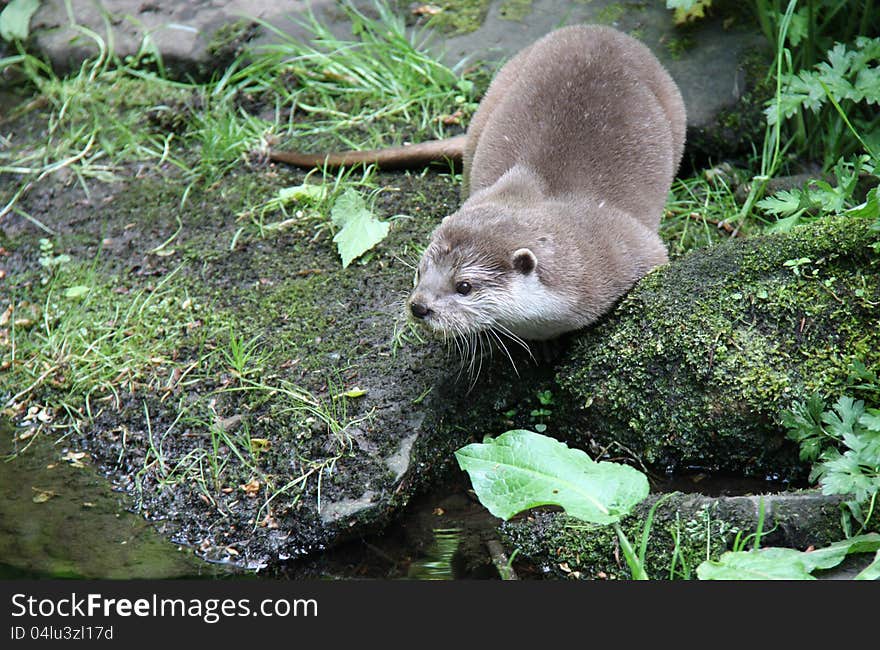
pixel 60 521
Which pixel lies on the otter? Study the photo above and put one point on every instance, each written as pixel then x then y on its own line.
pixel 567 164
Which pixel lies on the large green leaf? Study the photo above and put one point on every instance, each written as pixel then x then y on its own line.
pixel 15 19
pixel 784 563
pixel 521 470
pixel 359 229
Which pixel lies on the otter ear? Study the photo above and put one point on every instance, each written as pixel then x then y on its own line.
pixel 524 261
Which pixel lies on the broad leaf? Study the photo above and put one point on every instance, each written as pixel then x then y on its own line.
pixel 783 203
pixel 76 292
pixel 359 229
pixel 15 19
pixel 764 564
pixel 521 470
pixel 306 192
pixel 784 563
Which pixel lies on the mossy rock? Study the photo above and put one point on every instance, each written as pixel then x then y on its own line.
pixel 696 364
pixel 685 529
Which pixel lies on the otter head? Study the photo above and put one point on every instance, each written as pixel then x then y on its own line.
pixel 478 279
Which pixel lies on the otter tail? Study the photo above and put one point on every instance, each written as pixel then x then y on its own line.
pixel 405 157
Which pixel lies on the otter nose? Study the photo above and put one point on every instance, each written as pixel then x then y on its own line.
pixel 419 310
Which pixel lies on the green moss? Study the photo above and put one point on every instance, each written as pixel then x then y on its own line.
pixel 460 16
pixel 610 13
pixel 515 10
pixel 571 549
pixel 685 529
pixel 229 40
pixel 679 46
pixel 735 130
pixel 696 364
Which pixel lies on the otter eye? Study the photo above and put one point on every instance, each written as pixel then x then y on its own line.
pixel 464 288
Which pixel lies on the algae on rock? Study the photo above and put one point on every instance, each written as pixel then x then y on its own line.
pixel 696 364
pixel 686 529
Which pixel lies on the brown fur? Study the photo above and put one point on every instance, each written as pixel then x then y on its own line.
pixel 567 165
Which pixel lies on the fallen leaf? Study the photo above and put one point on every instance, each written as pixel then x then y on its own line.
pixel 42 496
pixel 251 488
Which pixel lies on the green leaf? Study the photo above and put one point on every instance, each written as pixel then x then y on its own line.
pixel 848 412
pixel 783 203
pixel 688 10
pixel 785 225
pixel 15 19
pixel 845 474
pixel 799 27
pixel 307 192
pixel 360 230
pixel 76 292
pixel 784 563
pixel 763 564
pixel 870 209
pixel 521 470
pixel 871 420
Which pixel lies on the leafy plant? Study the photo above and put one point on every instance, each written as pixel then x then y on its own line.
pixel 844 445
pixel 15 19
pixel 359 230
pixel 788 563
pixel 520 470
pixel 819 198
pixel 850 79
pixel 686 11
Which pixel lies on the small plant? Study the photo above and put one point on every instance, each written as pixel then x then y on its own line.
pixel 49 260
pixel 819 198
pixel 790 564
pixel 15 19
pixel 849 79
pixel 245 357
pixel 539 415
pixel 843 443
pixel 521 470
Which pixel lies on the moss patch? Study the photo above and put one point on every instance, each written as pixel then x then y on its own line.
pixel 697 362
pixel 735 130
pixel 685 529
pixel 460 16
pixel 515 10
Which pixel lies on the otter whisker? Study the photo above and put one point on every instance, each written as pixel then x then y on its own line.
pixel 516 339
pixel 497 337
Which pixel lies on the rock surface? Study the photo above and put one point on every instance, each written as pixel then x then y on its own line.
pixel 695 365
pixel 685 528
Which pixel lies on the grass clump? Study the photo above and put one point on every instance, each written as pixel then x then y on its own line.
pixel 378 87
pixel 353 92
